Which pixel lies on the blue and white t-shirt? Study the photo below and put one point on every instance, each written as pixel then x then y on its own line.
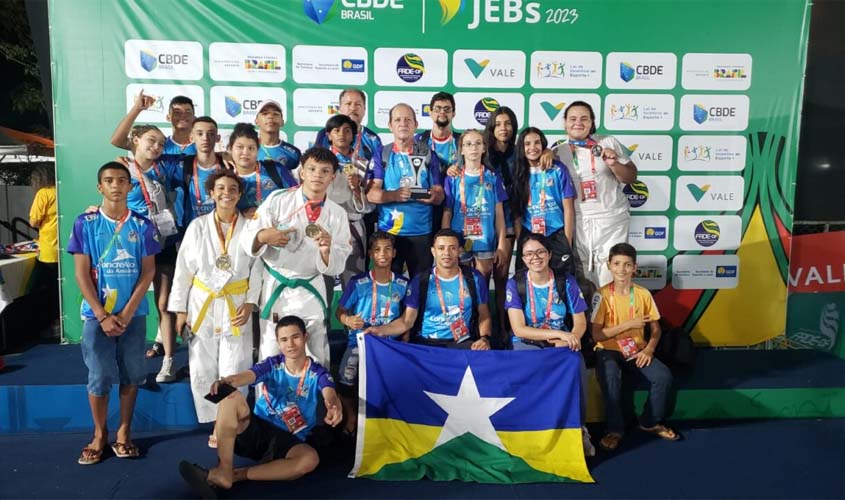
pixel 411 218
pixel 357 299
pixel 282 387
pixel 115 258
pixel 481 203
pixel 557 184
pixel 252 196
pixel 285 154
pixel 172 147
pixel 435 324
pixel 573 303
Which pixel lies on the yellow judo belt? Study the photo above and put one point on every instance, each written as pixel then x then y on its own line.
pixel 239 287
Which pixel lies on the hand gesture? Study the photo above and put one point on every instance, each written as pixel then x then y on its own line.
pixel 143 101
pixel 334 414
pixel 610 157
pixel 243 314
pixel 354 181
pixel 637 323
pixel 354 322
pixel 275 237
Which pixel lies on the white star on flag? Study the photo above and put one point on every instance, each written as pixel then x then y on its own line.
pixel 469 412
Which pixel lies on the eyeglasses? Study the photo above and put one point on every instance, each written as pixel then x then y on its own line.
pixel 442 109
pixel 540 254
pixel 477 144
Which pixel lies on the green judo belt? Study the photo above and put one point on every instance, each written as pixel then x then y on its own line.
pixel 283 283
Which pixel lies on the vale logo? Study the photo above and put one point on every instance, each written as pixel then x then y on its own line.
pixel 149 60
pixel 450 8
pixel 552 110
pixel 698 192
pixel 476 67
pixel 317 10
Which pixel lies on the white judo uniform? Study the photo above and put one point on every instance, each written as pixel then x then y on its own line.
pixel 293 274
pixel 600 221
pixel 217 349
pixel 355 207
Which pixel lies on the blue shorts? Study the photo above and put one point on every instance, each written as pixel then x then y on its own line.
pixel 347 374
pixel 114 359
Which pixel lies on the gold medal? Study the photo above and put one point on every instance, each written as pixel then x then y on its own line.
pixel 313 230
pixel 349 169
pixel 223 262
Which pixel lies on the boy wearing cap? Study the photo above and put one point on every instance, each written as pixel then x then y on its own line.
pixel 269 121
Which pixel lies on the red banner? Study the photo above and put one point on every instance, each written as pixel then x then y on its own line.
pixel 817 263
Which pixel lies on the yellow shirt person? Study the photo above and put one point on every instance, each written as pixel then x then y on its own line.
pixel 43 216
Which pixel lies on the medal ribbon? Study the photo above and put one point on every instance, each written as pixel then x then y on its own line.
pixel 589 143
pixel 117 229
pixel 258 182
pixel 375 298
pixel 548 315
pixel 542 193
pixel 224 241
pixel 460 293
pixel 313 209
pixel 612 304
pixel 478 198
pixel 143 183
pixel 298 388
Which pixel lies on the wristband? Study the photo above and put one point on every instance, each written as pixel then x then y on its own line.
pixel 100 321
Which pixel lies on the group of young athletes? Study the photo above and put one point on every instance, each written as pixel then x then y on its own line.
pixel 243 245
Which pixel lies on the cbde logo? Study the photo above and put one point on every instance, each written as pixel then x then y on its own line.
pixel 637 193
pixel 151 60
pixel 484 108
pixel 628 71
pixel 712 112
pixel 701 113
pixel 321 11
pixel 235 106
pixel 707 233
pixel 410 68
pixel 492 11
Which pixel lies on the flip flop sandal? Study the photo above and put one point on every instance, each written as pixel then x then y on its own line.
pixel 123 450
pixel 212 441
pixel 156 350
pixel 90 456
pixel 197 479
pixel 662 432
pixel 610 441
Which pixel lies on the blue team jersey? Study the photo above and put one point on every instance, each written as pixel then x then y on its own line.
pixel 481 204
pixel 557 184
pixel 253 196
pixel 283 153
pixel 447 151
pixel 411 218
pixel 115 260
pixel 357 299
pixel 199 201
pixel 571 304
pixel 162 172
pixel 502 164
pixel 435 324
pixel 371 147
pixel 172 147
pixel 282 388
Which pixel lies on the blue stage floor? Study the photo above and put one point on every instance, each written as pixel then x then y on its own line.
pixel 771 459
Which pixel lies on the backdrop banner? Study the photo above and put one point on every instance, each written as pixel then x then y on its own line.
pixel 706 94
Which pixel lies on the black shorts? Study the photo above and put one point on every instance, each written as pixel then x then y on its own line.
pixel 263 441
pixel 167 256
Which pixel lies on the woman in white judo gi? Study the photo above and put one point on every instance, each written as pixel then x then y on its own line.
pixel 215 291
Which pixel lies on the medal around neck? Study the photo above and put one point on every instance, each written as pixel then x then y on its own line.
pixel 223 262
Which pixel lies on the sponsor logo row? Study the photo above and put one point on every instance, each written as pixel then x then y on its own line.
pixel 651 233
pixel 419 67
pixel 692 192
pixel 622 112
pixel 694 272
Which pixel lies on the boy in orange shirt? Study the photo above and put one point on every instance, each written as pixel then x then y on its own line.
pixel 621 310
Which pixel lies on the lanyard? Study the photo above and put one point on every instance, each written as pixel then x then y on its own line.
pixel 224 241
pixel 573 145
pixel 478 198
pixel 258 182
pixel 267 153
pixel 542 192
pixel 548 314
pixel 142 181
pixel 404 160
pixel 117 229
pixel 613 314
pixel 451 152
pixel 375 298
pixel 298 388
pixel 197 191
pixel 440 293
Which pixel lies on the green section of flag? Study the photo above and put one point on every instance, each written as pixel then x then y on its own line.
pixel 449 462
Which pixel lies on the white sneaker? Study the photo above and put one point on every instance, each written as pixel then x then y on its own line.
pixel 589 449
pixel 166 373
